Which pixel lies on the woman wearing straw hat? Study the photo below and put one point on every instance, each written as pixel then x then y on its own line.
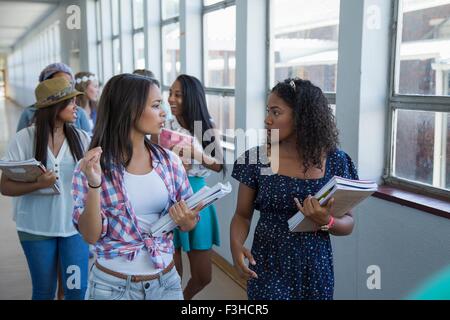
pixel 44 222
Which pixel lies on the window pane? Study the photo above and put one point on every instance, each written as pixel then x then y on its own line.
pixel 220 48
pixel 425 48
pixel 139 51
pixel 170 8
pixel 116 56
pixel 99 64
pixel 115 17
pixel 222 111
pixel 304 41
pixel 138 14
pixel 422 147
pixel 171 52
pixel 210 2
pixel 98 21
pixel 165 105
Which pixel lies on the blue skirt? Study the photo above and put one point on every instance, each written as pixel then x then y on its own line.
pixel 206 233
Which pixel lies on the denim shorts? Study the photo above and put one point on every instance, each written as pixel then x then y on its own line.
pixel 103 286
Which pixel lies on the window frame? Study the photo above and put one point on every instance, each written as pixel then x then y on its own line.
pixel 135 31
pixel 209 90
pixel 115 37
pixel 407 102
pixel 99 42
pixel 164 23
pixel 270 66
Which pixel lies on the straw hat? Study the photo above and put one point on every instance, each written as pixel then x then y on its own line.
pixel 53 91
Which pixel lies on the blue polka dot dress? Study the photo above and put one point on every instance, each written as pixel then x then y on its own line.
pixel 290 266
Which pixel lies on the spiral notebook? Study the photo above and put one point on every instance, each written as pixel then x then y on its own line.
pixel 206 195
pixel 347 194
pixel 27 171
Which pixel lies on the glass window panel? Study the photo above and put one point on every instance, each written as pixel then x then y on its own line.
pixel 139 51
pixel 424 56
pixel 210 2
pixel 222 111
pixel 170 8
pixel 138 14
pixel 304 40
pixel 116 56
pixel 422 147
pixel 99 64
pixel 220 48
pixel 171 52
pixel 165 105
pixel 115 17
pixel 98 21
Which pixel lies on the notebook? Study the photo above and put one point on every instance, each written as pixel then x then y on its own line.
pixel 347 194
pixel 206 195
pixel 27 171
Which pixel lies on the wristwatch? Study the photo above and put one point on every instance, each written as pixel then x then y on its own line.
pixel 328 226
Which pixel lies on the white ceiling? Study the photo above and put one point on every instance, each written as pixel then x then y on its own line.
pixel 17 17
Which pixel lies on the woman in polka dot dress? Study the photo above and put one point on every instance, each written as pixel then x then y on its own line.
pixel 285 265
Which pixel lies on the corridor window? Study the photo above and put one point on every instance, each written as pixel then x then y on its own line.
pixel 219 61
pixel 171 52
pixel 304 41
pixel 170 8
pixel 420 99
pixel 138 34
pixel 424 49
pixel 221 110
pixel 99 38
pixel 139 50
pixel 220 48
pixel 117 66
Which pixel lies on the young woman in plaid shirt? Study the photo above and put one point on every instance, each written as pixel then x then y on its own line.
pixel 122 186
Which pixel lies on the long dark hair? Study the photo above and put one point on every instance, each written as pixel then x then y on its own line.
pixel 121 104
pixel 45 119
pixel 83 99
pixel 315 123
pixel 195 109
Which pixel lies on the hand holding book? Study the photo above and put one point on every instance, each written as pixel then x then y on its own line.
pixel 31 171
pixel 197 202
pixel 46 180
pixel 184 217
pixel 313 210
pixel 337 198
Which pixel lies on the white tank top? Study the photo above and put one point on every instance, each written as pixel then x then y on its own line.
pixel 148 196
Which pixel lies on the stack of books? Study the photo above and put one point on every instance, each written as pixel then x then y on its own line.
pixel 27 171
pixel 206 195
pixel 347 194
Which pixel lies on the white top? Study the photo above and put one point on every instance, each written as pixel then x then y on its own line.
pixel 197 170
pixel 46 215
pixel 147 208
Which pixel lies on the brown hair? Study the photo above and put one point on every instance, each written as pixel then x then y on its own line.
pixel 82 100
pixel 45 125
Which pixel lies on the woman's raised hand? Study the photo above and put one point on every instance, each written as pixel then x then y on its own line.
pixel 90 166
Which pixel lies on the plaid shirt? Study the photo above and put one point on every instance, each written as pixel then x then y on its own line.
pixel 121 235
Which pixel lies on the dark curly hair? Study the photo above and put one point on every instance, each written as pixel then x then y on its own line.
pixel 315 124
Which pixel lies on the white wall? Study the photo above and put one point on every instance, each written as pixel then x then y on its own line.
pixel 72 51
